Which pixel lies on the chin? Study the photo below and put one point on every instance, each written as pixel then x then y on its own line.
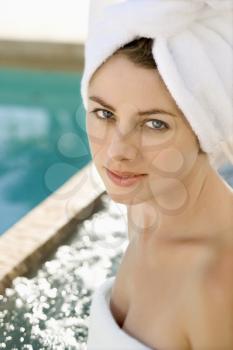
pixel 135 196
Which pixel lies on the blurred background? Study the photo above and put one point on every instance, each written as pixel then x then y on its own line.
pixel 42 132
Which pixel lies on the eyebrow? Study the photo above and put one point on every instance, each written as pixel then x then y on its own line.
pixel 140 113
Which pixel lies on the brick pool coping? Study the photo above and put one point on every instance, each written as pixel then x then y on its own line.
pixel 30 241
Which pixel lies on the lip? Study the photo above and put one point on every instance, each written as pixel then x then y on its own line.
pixel 125 173
pixel 124 182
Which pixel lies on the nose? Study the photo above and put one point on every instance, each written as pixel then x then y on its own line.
pixel 122 147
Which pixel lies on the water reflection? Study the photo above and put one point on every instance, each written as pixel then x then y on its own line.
pixel 50 310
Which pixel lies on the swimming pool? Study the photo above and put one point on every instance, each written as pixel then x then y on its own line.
pixel 42 137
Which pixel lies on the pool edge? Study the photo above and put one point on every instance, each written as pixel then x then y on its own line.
pixel 27 243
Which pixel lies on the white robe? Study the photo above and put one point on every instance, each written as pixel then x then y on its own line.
pixel 104 331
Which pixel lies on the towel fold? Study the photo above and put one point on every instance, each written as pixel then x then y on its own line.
pixel 193 50
pixel 104 332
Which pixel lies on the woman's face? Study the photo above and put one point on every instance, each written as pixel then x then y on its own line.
pixel 159 143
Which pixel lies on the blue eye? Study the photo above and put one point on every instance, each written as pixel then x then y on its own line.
pixel 158 122
pixel 153 121
pixel 100 110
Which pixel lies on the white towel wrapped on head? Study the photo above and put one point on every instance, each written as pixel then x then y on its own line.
pixel 193 50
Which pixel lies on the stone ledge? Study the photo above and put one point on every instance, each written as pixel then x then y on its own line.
pixel 29 242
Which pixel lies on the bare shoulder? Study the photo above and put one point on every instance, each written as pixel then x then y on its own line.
pixel 209 307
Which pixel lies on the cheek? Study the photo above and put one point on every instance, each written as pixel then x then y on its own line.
pixel 96 133
pixel 189 146
pixel 174 158
pixel 96 128
pixel 189 149
pixel 169 160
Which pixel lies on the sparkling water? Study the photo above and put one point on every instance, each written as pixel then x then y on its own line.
pixel 50 309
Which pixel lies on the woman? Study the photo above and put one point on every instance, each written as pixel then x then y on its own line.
pixel 174 287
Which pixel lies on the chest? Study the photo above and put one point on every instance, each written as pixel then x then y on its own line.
pixel 149 296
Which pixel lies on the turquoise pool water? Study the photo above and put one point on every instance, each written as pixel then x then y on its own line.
pixel 42 138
